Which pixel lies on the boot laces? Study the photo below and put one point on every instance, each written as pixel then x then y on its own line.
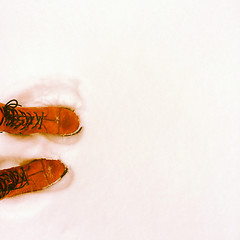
pixel 16 118
pixel 12 180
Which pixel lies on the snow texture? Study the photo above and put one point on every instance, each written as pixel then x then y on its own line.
pixel 156 85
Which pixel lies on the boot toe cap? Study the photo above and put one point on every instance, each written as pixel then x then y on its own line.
pixel 69 122
pixel 54 170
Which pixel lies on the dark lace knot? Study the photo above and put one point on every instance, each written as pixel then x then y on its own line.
pixel 12 180
pixel 16 118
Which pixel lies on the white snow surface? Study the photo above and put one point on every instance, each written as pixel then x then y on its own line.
pixel 156 85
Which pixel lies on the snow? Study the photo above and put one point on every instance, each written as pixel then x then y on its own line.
pixel 156 85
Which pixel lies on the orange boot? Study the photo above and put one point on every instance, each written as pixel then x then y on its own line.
pixel 16 119
pixel 34 176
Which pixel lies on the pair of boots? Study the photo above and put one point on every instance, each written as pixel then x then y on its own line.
pixel 40 173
